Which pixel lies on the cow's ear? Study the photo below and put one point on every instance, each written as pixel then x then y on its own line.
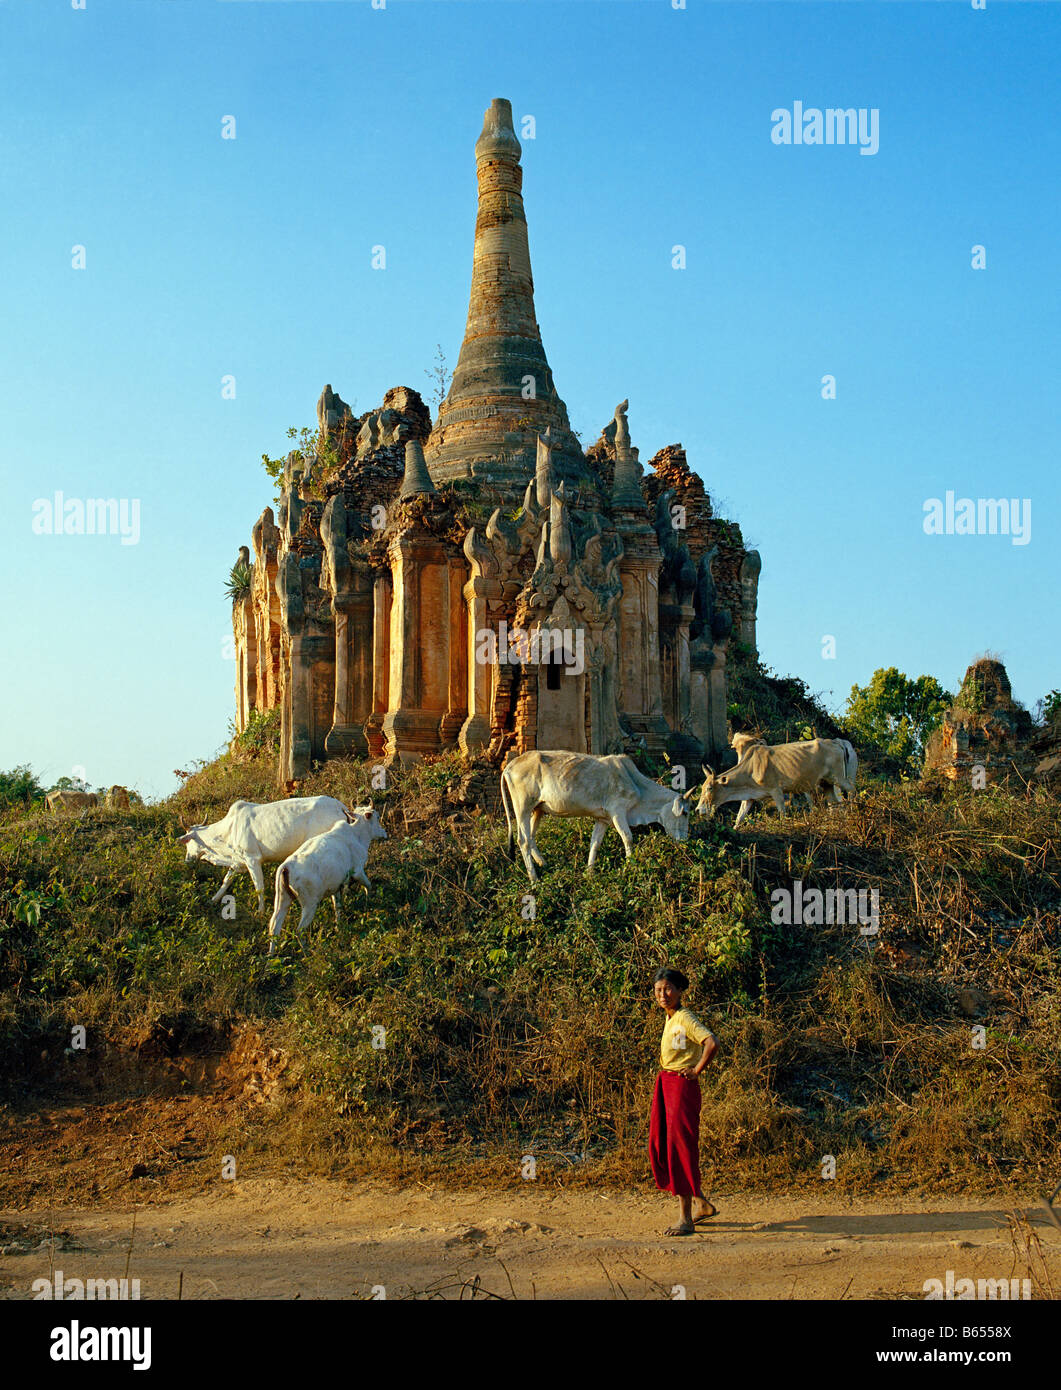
pixel 678 806
pixel 183 839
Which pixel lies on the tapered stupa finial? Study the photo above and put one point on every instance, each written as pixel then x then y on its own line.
pixel 502 395
pixel 498 140
pixel 416 478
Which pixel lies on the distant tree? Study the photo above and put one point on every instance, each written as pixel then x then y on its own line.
pixel 19 787
pixel 895 713
pixel 1049 707
pixel 69 784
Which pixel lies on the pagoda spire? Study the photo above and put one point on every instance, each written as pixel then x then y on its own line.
pixel 502 396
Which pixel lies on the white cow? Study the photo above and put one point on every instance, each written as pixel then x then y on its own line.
pixel 608 789
pixel 251 834
pixel 320 868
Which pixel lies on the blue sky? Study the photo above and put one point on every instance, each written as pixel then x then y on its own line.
pixel 355 127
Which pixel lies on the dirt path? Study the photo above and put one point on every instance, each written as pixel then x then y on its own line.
pixel 286 1238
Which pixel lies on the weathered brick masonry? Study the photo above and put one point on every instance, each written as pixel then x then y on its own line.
pixel 407 553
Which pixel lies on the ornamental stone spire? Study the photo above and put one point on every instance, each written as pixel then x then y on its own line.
pixel 502 394
pixel 416 478
pixel 626 487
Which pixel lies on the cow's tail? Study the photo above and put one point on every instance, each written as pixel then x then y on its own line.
pixel 510 815
pixel 849 762
pixel 283 884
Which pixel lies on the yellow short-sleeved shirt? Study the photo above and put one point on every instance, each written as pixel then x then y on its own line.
pixel 683 1040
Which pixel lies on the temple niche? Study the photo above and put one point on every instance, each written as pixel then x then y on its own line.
pixel 481 581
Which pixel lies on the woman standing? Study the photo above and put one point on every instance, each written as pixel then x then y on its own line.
pixel 674 1131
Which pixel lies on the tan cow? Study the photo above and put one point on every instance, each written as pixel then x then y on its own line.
pixel 772 771
pixel 740 743
pixel 67 800
pixel 117 799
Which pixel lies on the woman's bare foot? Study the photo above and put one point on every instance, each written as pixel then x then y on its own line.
pixel 686 1228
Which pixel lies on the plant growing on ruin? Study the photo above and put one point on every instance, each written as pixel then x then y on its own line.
pixel 323 453
pixel 971 697
pixel 238 584
pixel 438 373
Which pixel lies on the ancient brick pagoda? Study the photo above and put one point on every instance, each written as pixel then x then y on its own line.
pixel 984 728
pixel 404 544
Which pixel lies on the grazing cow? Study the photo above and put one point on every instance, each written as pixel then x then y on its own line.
pixel 773 771
pixel 610 790
pixel 320 868
pixel 252 834
pixel 740 743
pixel 67 800
pixel 850 766
pixel 117 799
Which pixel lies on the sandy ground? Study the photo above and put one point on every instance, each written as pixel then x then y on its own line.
pixel 321 1239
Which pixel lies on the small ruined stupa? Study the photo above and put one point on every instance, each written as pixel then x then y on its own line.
pixel 481 581
pixel 985 731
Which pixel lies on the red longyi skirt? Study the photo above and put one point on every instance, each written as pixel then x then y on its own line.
pixel 674 1134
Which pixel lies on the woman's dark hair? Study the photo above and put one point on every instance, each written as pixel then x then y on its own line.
pixel 673 977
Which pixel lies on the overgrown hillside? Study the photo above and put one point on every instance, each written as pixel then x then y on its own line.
pixel 509 1035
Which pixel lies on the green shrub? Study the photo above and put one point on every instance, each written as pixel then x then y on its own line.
pixel 262 734
pixel 20 787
